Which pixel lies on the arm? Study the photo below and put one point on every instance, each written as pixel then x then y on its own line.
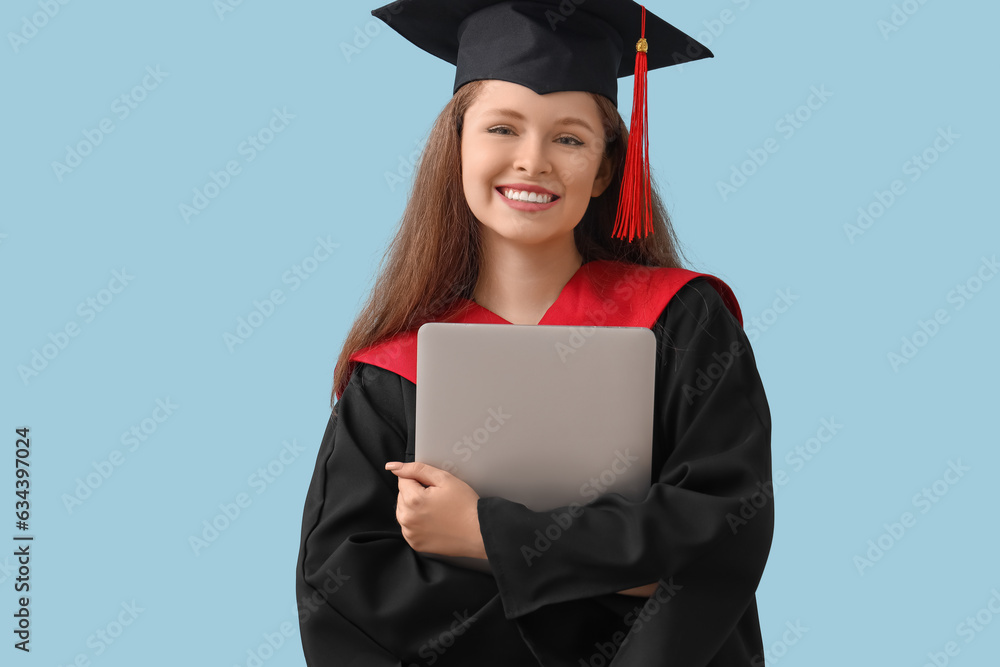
pixel 364 594
pixel 712 428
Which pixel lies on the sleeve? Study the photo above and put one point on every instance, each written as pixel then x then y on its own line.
pixel 365 597
pixel 708 516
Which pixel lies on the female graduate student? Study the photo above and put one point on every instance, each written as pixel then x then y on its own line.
pixel 532 204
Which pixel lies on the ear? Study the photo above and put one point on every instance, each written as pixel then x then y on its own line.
pixel 603 178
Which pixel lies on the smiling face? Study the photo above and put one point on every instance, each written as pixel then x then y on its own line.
pixel 515 140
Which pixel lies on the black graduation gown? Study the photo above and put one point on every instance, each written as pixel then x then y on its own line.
pixel 366 598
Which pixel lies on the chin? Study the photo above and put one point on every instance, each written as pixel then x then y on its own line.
pixel 518 234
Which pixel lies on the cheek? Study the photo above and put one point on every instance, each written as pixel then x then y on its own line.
pixel 582 178
pixel 468 171
pixel 468 159
pixel 477 173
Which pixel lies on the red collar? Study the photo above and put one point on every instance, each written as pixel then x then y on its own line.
pixel 600 293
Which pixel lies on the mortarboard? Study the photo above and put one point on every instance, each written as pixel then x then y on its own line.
pixel 557 45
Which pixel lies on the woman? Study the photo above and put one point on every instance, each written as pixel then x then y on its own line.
pixel 670 579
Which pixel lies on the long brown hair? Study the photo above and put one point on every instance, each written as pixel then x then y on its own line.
pixel 434 258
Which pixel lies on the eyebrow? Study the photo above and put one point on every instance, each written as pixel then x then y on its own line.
pixel 517 115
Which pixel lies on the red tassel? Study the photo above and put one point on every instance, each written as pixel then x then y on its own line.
pixel 635 202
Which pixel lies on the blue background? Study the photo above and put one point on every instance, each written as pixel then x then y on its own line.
pixel 353 119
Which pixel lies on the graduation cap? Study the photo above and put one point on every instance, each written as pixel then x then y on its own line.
pixel 557 45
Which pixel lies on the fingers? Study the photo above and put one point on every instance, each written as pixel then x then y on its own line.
pixel 410 491
pixel 422 472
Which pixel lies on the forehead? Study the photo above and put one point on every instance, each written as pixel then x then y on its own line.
pixel 498 95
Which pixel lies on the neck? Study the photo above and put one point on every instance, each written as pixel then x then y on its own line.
pixel 519 284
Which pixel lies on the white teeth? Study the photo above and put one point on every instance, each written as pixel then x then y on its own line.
pixel 524 195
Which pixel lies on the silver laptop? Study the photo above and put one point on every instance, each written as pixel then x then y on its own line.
pixel 541 415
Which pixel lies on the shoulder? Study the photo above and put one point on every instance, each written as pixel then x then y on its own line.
pixel 701 299
pixel 375 391
pixel 372 379
pixel 698 315
pixel 642 293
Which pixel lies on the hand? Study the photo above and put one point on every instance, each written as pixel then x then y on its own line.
pixel 437 511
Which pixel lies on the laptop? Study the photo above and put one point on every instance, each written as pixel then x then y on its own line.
pixel 541 415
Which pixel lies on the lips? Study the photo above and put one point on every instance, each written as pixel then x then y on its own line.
pixel 521 192
pixel 527 195
pixel 527 200
pixel 526 187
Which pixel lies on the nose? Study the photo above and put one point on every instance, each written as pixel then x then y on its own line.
pixel 532 156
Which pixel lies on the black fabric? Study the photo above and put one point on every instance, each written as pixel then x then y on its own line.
pixel 546 45
pixel 703 531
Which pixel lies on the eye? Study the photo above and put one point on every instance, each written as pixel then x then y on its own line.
pixel 503 130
